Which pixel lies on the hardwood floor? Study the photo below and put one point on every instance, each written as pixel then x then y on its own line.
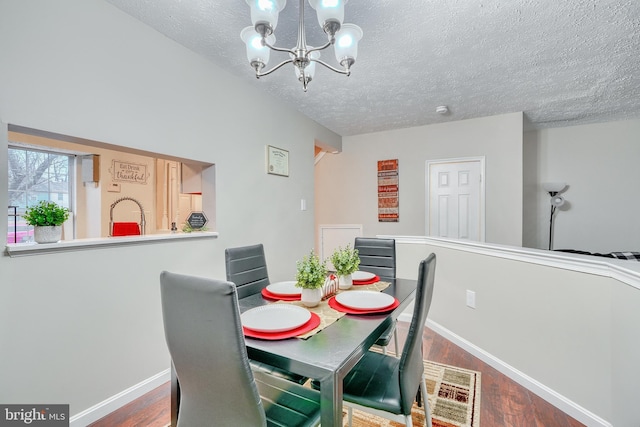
pixel 504 403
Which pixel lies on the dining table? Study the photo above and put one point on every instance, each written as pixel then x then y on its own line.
pixel 326 356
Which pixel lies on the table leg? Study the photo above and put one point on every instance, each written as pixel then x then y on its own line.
pixel 331 401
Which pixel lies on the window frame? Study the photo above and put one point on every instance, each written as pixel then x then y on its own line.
pixel 70 187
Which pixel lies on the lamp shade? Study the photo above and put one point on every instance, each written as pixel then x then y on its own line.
pixel 346 45
pixel 255 51
pixel 329 10
pixel 310 70
pixel 557 201
pixel 554 187
pixel 266 11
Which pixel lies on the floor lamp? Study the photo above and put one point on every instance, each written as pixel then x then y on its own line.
pixel 554 188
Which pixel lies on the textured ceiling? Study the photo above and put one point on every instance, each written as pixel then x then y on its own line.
pixel 561 62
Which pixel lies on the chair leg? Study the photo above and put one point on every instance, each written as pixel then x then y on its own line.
pixel 408 421
pixel 384 350
pixel 395 339
pixel 427 410
pixel 350 412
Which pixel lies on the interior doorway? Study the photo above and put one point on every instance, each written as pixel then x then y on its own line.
pixel 454 198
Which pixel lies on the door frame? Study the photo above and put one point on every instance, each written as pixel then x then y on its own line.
pixel 427 189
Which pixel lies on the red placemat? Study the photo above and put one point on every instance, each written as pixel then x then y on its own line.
pixel 313 323
pixel 270 295
pixel 337 306
pixel 374 279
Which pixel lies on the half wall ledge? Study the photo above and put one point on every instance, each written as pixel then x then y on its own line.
pixel 25 249
pixel 625 271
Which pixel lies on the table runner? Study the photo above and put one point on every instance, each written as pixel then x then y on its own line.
pixel 327 314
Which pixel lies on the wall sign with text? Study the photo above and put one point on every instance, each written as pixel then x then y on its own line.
pixel 388 206
pixel 129 172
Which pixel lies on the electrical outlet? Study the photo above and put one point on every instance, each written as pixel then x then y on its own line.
pixel 471 299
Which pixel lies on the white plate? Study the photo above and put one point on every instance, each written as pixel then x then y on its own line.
pixel 362 275
pixel 284 288
pixel 365 300
pixel 275 318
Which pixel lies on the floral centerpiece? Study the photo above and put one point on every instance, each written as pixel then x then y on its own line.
pixel 346 261
pixel 46 218
pixel 310 276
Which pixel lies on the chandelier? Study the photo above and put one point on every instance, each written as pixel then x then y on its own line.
pixel 260 39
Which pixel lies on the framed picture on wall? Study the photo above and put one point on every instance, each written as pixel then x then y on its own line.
pixel 277 161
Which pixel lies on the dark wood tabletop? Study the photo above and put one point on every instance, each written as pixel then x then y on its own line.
pixel 331 353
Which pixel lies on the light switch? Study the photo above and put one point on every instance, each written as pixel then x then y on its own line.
pixel 471 299
pixel 303 205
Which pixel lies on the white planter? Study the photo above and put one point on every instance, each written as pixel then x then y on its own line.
pixel 345 282
pixel 47 234
pixel 311 297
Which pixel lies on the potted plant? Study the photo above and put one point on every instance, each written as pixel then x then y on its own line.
pixel 346 262
pixel 46 218
pixel 310 276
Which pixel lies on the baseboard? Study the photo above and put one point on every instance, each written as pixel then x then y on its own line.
pixel 113 403
pixel 556 399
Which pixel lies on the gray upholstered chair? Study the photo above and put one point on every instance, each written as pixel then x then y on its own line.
pixel 386 385
pixel 378 256
pixel 204 335
pixel 247 269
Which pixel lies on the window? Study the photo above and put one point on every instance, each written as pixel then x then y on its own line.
pixel 36 175
pixel 158 192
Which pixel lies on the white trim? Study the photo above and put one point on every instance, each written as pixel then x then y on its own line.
pixel 556 399
pixel 624 271
pixel 22 249
pixel 427 175
pixel 113 403
pixel 318 157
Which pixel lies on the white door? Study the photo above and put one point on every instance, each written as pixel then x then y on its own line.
pixel 332 236
pixel 455 198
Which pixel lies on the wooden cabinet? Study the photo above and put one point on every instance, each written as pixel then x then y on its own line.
pixel 191 178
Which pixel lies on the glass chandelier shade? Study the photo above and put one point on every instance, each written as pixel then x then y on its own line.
pixel 260 41
pixel 346 47
pixel 266 12
pixel 328 11
pixel 310 70
pixel 256 52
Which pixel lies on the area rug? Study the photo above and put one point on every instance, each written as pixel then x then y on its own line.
pixel 454 399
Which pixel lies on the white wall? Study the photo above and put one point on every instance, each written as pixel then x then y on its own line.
pixel 346 183
pixel 599 162
pixel 565 326
pixel 79 327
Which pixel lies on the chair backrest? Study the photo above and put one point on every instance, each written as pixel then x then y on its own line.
pixel 204 335
pixel 247 268
pixel 411 364
pixel 377 256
